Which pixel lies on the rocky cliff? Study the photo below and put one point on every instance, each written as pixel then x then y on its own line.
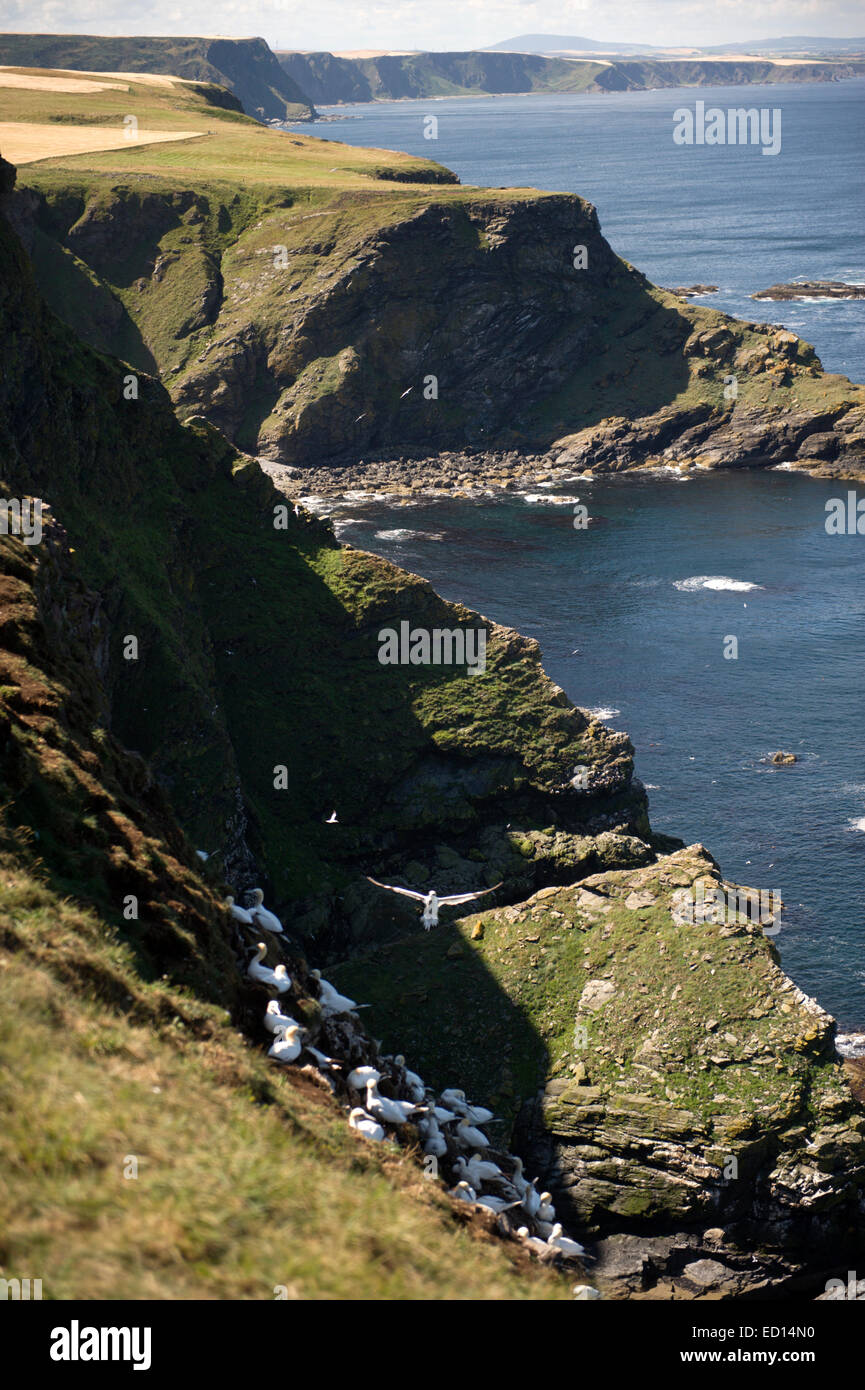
pixel 245 67
pixel 682 1099
pixel 401 325
pixel 330 79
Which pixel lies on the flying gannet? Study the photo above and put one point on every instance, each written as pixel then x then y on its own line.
pixel 431 901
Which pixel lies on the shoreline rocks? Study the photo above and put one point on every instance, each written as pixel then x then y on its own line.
pixel 810 289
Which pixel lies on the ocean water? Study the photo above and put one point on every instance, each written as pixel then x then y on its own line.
pixel 723 215
pixel 632 616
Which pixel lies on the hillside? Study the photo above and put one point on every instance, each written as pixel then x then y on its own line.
pixel 248 1176
pixel 253 704
pixel 330 79
pixel 245 67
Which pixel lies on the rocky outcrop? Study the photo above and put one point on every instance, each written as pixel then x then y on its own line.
pixel 813 289
pixel 682 1099
pixel 460 322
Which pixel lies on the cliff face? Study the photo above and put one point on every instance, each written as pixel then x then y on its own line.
pixel 246 617
pixel 331 80
pixel 413 323
pixel 245 67
pixel 682 1099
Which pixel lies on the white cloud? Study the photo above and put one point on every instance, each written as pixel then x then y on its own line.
pixel 340 24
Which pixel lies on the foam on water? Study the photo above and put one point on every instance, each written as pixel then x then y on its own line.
pixel 714 581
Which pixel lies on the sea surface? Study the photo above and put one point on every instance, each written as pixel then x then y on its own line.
pixel 634 614
pixel 723 215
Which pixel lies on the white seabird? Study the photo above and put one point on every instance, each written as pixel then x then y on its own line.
pixel 464 1191
pixel 558 1241
pixel 358 1078
pixel 412 1080
pixel 239 914
pixel 332 819
pixel 431 901
pixel 330 999
pixel 471 1137
pixel 278 977
pixel 287 1047
pixel 392 1112
pixel 268 921
pixel 359 1120
pixel 275 1021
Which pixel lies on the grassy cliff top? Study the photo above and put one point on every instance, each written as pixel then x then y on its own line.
pixel 235 149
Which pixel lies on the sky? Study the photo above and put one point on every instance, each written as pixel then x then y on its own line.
pixel 441 24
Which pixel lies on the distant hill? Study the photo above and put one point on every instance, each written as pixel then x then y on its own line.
pixel 798 44
pixel 247 67
pixel 552 43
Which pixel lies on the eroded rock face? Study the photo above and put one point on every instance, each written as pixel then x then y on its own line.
pixel 681 1098
pixel 707 1091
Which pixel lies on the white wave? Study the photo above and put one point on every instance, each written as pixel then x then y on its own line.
pixel 557 501
pixel 604 713
pixel 342 523
pixel 320 506
pixel 857 825
pixel 714 581
pixel 651 786
pixel 781 467
pixel 402 534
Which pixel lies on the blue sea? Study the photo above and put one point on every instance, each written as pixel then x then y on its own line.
pixel 724 215
pixel 634 614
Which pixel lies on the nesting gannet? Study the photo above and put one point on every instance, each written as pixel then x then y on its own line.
pixel 412 1080
pixel 328 1063
pixel 268 921
pixel 471 1137
pixel 571 1248
pixel 239 914
pixel 464 1191
pixel 584 1293
pixel 540 1247
pixel 478 1170
pixel 392 1112
pixel 443 1116
pixel 517 1178
pixel 359 1120
pixel 358 1078
pixel 435 1142
pixel 496 1204
pixel 275 1021
pixel 330 999
pixel 287 1047
pixel 531 1198
pixel 477 1114
pixel 546 1211
pixel 431 901
pixel 278 977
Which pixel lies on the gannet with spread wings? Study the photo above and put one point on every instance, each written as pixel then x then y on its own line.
pixel 431 901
